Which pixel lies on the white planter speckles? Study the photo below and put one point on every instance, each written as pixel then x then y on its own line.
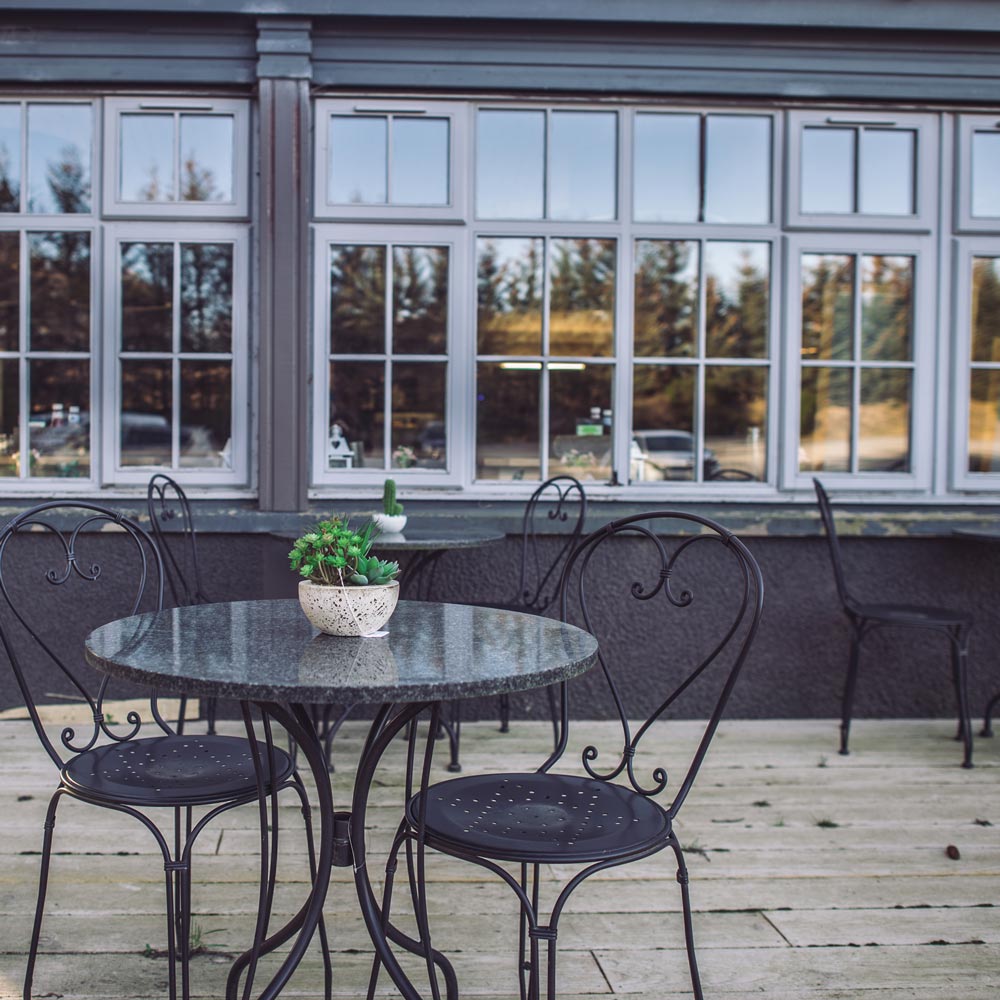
pixel 348 610
pixel 390 524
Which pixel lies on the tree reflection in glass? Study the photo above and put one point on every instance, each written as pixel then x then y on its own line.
pixel 884 420
pixel 10 158
pixel 59 304
pixel 147 172
pixel 666 298
pixel 508 398
pixel 146 419
pixel 419 299
pixel 59 421
pixel 147 296
pixel 357 407
pixel 509 295
pixel 984 388
pixel 10 292
pixel 10 417
pixel 582 297
pixel 886 308
pixel 825 420
pixel 206 297
pixel 206 146
pixel 357 299
pixel 206 399
pixel 735 421
pixel 827 306
pixel 59 140
pixel 736 299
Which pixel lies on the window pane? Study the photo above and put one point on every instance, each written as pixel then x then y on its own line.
pixel 10 294
pixel 10 418
pixel 206 414
pixel 207 157
pixel 510 164
pixel 986 309
pixel 663 444
pixel 736 299
pixel 575 397
pixel 737 169
pixel 59 425
pixel 419 171
pixel 418 417
pixel 886 171
pixel 147 158
pixel 147 413
pixel 827 306
pixel 359 161
pixel 582 297
pixel 666 298
pixel 60 291
pixel 985 174
pixel 825 420
pixel 357 407
pixel 984 421
pixel 509 293
pixel 667 185
pixel 420 300
pixel 10 158
pixel 59 138
pixel 147 296
pixel 886 308
pixel 827 170
pixel 357 300
pixel 884 420
pixel 206 297
pixel 582 174
pixel 507 425
pixel 735 423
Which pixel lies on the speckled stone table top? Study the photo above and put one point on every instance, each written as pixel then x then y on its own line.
pixel 268 651
pixel 424 538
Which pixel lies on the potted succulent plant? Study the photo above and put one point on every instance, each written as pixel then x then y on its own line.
pixel 345 589
pixel 392 520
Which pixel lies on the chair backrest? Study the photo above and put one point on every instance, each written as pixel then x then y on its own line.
pixel 166 502
pixel 694 593
pixel 831 537
pixel 558 507
pixel 61 575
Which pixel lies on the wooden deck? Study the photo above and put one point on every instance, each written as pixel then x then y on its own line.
pixel 813 876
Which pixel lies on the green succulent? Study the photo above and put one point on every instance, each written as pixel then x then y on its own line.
pixel 337 555
pixel 390 505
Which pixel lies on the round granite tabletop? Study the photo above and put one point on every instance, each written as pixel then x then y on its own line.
pixel 424 538
pixel 268 651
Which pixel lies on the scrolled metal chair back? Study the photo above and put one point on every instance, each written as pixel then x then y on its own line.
pixel 557 507
pixel 166 502
pixel 654 558
pixel 830 529
pixel 30 628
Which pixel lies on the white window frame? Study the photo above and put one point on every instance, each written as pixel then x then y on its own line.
pixel 925 165
pixel 113 473
pixel 965 221
pixel 455 357
pixel 924 252
pixel 238 208
pixel 457 113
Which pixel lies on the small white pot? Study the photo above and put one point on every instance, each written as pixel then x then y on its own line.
pixel 390 524
pixel 348 610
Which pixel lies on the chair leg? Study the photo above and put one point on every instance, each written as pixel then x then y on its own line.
pixel 682 878
pixel 988 716
pixel 960 660
pixel 454 731
pixel 849 686
pixel 505 713
pixel 554 714
pixel 211 712
pixel 311 851
pixel 43 882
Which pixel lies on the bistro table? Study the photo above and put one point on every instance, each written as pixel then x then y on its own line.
pixel 267 654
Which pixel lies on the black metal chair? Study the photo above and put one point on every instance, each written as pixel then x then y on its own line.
pixel 711 607
pixel 865 618
pixel 52 595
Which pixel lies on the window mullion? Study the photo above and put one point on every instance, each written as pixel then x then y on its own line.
pixel 175 366
pixel 388 347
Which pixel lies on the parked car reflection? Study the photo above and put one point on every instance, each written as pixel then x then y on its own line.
pixel 667 454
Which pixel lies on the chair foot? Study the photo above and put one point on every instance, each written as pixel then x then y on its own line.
pixel 844 752
pixel 454 767
pixel 986 731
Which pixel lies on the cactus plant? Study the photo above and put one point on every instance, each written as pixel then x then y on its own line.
pixel 390 505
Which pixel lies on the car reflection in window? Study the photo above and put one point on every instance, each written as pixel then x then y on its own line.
pixel 668 454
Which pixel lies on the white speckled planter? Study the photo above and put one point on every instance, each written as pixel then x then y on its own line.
pixel 390 524
pixel 348 610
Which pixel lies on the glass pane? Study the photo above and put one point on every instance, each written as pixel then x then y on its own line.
pixel 420 300
pixel 984 421
pixel 827 306
pixel 735 423
pixel 59 424
pixel 510 164
pixel 206 414
pixel 207 297
pixel 825 420
pixel 666 298
pixel 737 287
pixel 419 172
pixel 418 417
pixel 985 309
pixel 147 296
pixel 147 158
pixel 582 297
pixel 579 407
pixel 827 170
pixel 10 293
pixel 359 161
pixel 667 185
pixel 357 300
pixel 508 400
pixel 663 444
pixel 59 301
pixel 357 415
pixel 207 157
pixel 737 169
pixel 582 174
pixel 886 308
pixel 884 420
pixel 59 138
pixel 887 171
pixel 10 416
pixel 147 413
pixel 509 291
pixel 985 174
pixel 10 158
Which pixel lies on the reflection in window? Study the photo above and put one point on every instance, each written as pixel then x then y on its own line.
pixel 206 297
pixel 146 416
pixel 59 139
pixel 825 420
pixel 985 174
pixel 510 165
pixel 667 169
pixel 59 421
pixel 59 302
pixel 10 418
pixel 357 415
pixel 827 306
pixel 666 298
pixel 147 296
pixel 580 436
pixel 357 299
pixel 206 157
pixel 419 299
pixel 10 157
pixel 206 403
pixel 737 169
pixel 417 433
pixel 509 295
pixel 737 293
pixel 984 377
pixel 147 162
pixel 508 400
pixel 10 290
pixel 582 165
pixel 582 297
